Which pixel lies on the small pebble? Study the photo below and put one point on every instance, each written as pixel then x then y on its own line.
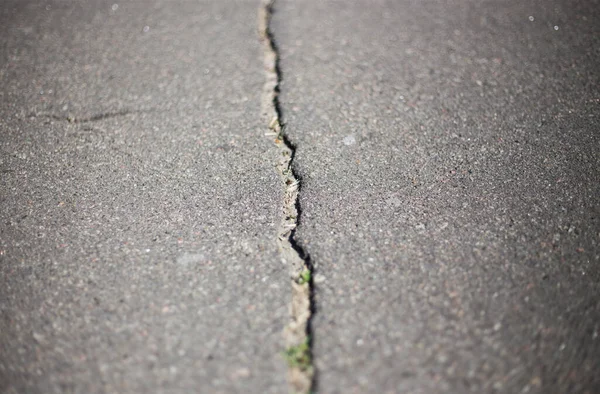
pixel 349 140
pixel 319 278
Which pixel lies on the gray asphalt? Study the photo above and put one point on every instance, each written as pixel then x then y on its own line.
pixel 449 156
pixel 139 200
pixel 450 161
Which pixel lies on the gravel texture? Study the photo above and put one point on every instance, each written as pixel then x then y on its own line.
pixel 140 201
pixel 450 196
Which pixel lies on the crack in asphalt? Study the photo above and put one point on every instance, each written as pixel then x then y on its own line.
pixel 92 118
pixel 297 333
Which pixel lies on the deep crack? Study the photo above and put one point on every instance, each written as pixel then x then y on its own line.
pixel 297 334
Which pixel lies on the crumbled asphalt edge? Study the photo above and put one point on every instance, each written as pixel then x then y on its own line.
pixel 297 332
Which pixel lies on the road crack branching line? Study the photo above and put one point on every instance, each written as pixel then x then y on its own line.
pixel 92 118
pixel 297 333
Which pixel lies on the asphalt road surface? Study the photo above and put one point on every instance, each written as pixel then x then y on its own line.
pixel 449 156
pixel 450 161
pixel 139 201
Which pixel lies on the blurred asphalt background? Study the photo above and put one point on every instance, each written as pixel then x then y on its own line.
pixel 450 161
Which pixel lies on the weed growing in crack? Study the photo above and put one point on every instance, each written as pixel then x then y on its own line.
pixel 304 277
pixel 299 356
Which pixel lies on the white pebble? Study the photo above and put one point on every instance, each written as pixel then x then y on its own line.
pixel 349 140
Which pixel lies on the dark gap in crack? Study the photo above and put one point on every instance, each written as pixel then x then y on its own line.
pixel 292 147
pixel 302 253
pixel 280 114
pixel 310 333
pixel 309 324
pixel 299 249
